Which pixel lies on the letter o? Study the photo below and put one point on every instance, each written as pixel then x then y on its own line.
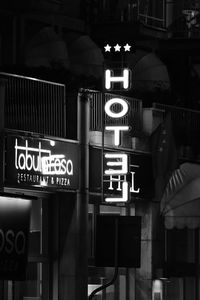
pixel 69 167
pixel 20 245
pixel 21 161
pixel 115 115
pixel 57 166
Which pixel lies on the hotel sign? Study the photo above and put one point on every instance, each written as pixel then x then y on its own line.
pixel 117 162
pixel 140 176
pixel 41 162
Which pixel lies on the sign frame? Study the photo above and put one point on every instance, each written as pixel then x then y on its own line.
pixel 29 164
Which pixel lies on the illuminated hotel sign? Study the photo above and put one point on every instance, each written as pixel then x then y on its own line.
pixel 117 162
pixel 140 176
pixel 41 162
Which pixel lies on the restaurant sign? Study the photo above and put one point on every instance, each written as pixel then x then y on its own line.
pixel 14 233
pixel 40 162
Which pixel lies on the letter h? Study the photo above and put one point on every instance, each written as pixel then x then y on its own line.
pixel 125 79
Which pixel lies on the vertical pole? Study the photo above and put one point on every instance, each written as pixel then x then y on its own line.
pixel 82 196
pixel 196 233
pixel 2 126
pixel 2 104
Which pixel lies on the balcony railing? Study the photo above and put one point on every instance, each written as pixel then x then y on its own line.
pixel 34 105
pixel 178 18
pixel 43 107
pixel 186 129
pixel 110 11
pixel 152 13
pixel 97 121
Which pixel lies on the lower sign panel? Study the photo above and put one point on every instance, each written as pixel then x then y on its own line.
pixel 14 231
pixel 117 241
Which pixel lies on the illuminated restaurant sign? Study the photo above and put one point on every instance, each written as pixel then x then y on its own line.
pixel 41 162
pixel 14 236
pixel 117 163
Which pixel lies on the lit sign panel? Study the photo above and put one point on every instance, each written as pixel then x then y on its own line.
pixel 41 162
pixel 139 177
pixel 117 162
pixel 14 233
pixel 124 80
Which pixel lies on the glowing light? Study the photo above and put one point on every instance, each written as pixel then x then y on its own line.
pixel 114 101
pixel 115 179
pixel 56 165
pixel 121 162
pixel 124 197
pixel 157 285
pixel 117 47
pixel 52 143
pixel 107 48
pixel 125 79
pixel 117 130
pixel 127 47
pixel 41 160
pixel 117 108
pixel 157 289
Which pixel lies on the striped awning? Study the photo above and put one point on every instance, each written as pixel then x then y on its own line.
pixel 180 204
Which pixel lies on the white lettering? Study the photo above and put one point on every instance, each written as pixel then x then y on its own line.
pixel 133 190
pixel 119 179
pixel 124 197
pixel 69 167
pixel 117 162
pixel 125 79
pixel 116 115
pixel 41 160
pixel 117 130
pixel 122 163
pixel 115 179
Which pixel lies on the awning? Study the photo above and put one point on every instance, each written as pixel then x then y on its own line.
pixel 73 51
pixel 86 57
pixel 180 204
pixel 149 72
pixel 46 48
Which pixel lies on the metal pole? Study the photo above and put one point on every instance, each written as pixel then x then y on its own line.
pixel 104 286
pixel 82 196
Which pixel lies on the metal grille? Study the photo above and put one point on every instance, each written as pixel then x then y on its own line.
pixel 34 105
pixel 94 11
pixel 133 119
pixel 186 125
pixel 152 12
pixel 182 117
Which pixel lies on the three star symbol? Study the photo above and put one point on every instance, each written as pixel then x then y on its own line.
pixel 127 47
pixel 107 48
pixel 117 47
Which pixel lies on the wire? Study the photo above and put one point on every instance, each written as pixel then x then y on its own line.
pixel 104 286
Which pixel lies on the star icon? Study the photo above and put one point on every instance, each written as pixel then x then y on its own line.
pixel 117 48
pixel 127 47
pixel 107 48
